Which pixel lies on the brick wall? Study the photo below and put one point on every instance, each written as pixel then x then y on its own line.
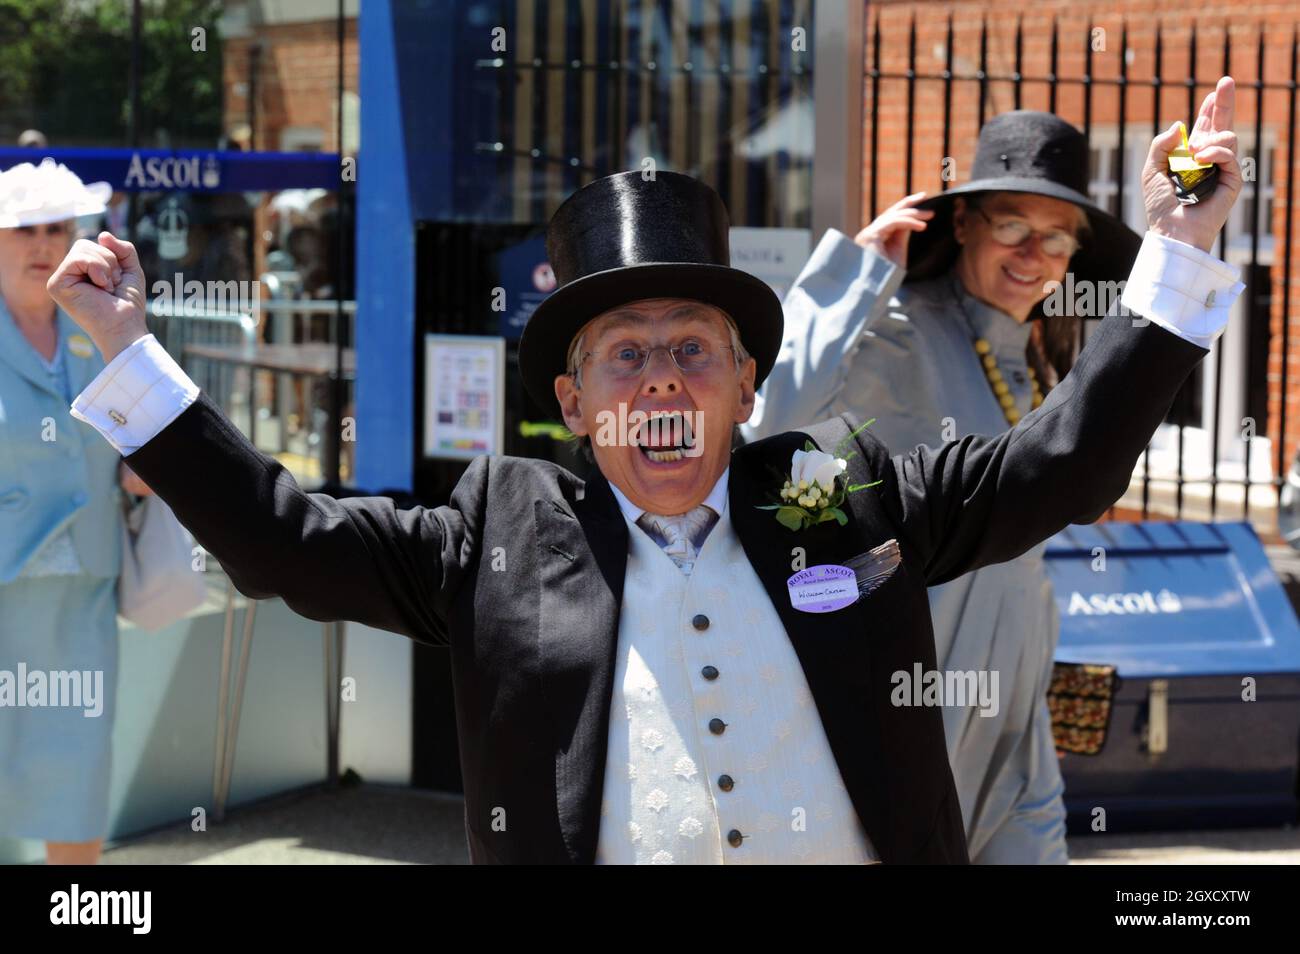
pixel 297 79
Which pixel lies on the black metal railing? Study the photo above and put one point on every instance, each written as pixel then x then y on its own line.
pixel 580 97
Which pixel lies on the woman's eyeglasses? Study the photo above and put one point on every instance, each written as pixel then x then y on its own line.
pixel 1012 232
pixel 692 356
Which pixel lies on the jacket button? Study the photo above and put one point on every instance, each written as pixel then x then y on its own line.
pixel 734 838
pixel 709 672
pixel 726 783
pixel 717 726
pixel 700 621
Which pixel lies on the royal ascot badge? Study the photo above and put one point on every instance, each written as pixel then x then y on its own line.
pixel 823 588
pixel 1192 180
pixel 817 487
pixel 80 346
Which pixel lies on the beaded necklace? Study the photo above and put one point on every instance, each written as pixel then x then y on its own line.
pixel 985 352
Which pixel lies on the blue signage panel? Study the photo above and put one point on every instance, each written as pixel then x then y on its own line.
pixel 1171 599
pixel 190 170
pixel 526 278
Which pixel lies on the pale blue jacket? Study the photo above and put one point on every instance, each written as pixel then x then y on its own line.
pixel 49 485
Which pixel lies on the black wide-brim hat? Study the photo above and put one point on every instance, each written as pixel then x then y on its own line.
pixel 624 238
pixel 1039 153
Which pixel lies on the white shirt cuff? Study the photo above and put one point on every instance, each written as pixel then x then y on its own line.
pixel 138 393
pixel 1182 289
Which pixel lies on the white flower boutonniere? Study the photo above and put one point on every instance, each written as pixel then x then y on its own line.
pixel 816 487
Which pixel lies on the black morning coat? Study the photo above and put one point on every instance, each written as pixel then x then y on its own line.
pixel 533 646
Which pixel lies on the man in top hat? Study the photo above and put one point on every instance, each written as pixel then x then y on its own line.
pixel 649 665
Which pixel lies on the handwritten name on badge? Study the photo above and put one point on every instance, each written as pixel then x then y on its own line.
pixel 823 588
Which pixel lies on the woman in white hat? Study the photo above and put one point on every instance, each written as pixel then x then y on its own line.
pixel 60 534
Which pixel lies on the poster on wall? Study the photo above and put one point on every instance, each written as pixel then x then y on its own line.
pixel 464 396
pixel 774 255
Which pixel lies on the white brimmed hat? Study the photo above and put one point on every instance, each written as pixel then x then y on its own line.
pixel 50 192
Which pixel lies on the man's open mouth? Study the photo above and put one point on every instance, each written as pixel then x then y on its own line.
pixel 665 437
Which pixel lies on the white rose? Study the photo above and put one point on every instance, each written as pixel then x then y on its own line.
pixel 817 466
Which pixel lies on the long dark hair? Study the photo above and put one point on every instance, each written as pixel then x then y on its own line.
pixel 1053 343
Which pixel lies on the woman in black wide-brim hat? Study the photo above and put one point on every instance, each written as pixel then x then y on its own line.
pixel 933 322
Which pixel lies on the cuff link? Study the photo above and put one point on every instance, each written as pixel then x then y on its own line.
pixel 116 416
pixel 1209 299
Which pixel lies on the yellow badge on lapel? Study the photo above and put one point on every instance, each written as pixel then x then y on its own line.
pixel 80 346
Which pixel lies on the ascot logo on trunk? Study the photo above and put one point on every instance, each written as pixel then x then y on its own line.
pixel 1121 604
pixel 662 435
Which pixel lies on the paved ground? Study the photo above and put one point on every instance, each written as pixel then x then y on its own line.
pixel 362 825
pixel 378 825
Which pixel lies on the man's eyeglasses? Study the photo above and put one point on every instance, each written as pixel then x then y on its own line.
pixel 692 356
pixel 1012 232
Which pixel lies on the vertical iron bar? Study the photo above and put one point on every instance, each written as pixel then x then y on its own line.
pixel 1155 131
pixel 1087 138
pixel 911 105
pixel 1123 113
pixel 725 83
pixel 755 201
pixel 875 115
pixel 537 171
pixel 1017 74
pixel 1183 399
pixel 1086 80
pixel 1052 67
pixel 619 52
pixel 1219 346
pixel 334 444
pixel 1257 186
pixel 947 100
pixel 574 106
pixel 1280 476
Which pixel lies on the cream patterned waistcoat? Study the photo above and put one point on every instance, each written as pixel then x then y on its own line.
pixel 665 800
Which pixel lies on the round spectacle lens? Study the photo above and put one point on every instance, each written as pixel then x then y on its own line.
pixel 691 356
pixel 1055 244
pixel 1011 232
pixel 1059 245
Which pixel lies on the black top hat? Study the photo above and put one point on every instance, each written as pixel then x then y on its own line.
pixel 624 238
pixel 1040 153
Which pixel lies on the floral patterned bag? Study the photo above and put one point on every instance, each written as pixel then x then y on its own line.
pixel 1081 700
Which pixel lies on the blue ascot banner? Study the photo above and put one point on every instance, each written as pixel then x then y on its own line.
pixel 190 170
